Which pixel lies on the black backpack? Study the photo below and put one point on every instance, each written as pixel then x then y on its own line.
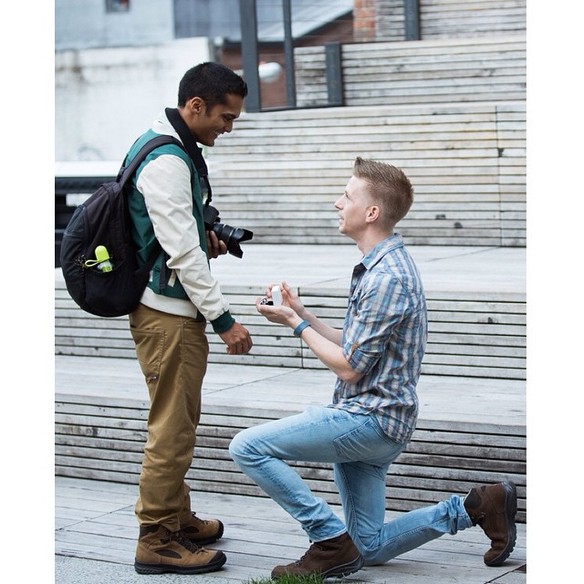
pixel 114 289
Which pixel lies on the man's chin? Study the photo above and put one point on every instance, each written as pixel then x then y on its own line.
pixel 205 141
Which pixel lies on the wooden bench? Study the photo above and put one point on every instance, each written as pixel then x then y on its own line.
pixel 451 70
pixel 452 18
pixel 471 392
pixel 450 112
pixel 100 432
pixel 470 18
pixel 279 173
pixel 470 335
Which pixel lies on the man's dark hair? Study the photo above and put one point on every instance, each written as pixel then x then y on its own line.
pixel 212 82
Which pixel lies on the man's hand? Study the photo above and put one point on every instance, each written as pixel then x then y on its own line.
pixel 215 247
pixel 291 299
pixel 279 314
pixel 237 339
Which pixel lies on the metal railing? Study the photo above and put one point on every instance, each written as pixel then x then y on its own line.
pixel 250 53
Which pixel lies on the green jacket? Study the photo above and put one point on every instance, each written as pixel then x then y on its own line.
pixel 144 237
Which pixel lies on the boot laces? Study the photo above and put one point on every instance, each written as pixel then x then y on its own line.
pixel 198 520
pixel 309 552
pixel 185 542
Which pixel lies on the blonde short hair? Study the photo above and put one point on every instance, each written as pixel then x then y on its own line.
pixel 389 188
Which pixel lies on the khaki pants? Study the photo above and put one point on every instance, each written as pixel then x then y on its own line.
pixel 172 352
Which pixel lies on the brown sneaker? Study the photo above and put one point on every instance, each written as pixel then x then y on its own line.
pixel 332 557
pixel 201 531
pixel 493 507
pixel 160 550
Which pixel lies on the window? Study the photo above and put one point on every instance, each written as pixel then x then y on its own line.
pixel 117 5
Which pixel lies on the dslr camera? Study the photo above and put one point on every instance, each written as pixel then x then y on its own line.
pixel 231 236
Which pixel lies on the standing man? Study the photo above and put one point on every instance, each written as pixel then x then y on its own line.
pixel 377 358
pixel 168 327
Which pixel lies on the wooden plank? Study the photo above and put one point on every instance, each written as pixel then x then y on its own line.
pixel 406 484
pixel 426 461
pixel 259 535
pixel 102 438
pixel 421 60
pixel 461 333
pixel 237 181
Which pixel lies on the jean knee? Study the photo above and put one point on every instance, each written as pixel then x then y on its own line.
pixel 237 447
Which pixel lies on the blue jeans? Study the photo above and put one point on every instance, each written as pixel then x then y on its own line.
pixel 361 454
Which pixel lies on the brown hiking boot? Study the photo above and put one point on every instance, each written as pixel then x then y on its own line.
pixel 201 531
pixel 493 507
pixel 331 557
pixel 160 550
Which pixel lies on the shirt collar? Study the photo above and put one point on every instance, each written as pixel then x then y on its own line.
pixel 390 243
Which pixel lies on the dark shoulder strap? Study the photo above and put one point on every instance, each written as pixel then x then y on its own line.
pixel 127 171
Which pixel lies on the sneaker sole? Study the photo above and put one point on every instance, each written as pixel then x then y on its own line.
pixel 510 512
pixel 147 569
pixel 346 569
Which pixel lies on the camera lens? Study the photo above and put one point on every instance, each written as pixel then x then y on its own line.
pixel 231 236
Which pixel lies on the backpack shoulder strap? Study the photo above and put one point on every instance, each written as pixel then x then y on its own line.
pixel 123 176
pixel 127 171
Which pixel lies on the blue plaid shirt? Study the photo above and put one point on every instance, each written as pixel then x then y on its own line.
pixel 384 337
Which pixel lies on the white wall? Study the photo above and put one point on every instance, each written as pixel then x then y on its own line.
pixel 105 98
pixel 84 24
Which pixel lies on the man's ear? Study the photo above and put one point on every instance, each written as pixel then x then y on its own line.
pixel 196 105
pixel 373 213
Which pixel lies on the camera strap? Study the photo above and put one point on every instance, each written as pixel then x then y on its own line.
pixel 192 149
